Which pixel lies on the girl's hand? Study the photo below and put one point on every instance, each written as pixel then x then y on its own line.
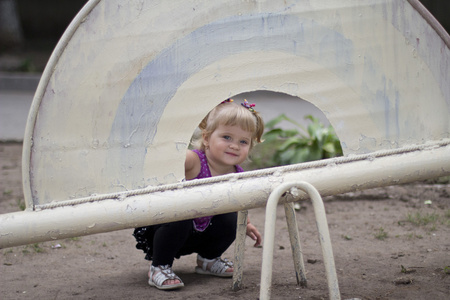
pixel 254 234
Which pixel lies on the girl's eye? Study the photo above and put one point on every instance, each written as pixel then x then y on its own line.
pixel 227 137
pixel 244 142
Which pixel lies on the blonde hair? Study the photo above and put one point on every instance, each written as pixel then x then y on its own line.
pixel 231 114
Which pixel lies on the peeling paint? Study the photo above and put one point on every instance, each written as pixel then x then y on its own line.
pixel 127 91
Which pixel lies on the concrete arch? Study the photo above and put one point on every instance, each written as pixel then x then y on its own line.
pixel 127 84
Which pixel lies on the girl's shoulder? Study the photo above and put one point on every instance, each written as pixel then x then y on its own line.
pixel 199 153
pixel 192 165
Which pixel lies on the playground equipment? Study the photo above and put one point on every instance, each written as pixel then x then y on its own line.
pixel 129 81
pixel 324 238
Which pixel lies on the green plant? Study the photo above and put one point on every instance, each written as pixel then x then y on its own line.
pixel 21 204
pixel 36 247
pixel 420 219
pixel 299 144
pixel 414 236
pixel 27 65
pixel 381 234
pixel 447 270
pixel 447 217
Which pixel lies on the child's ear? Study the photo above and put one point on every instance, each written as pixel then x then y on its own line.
pixel 205 138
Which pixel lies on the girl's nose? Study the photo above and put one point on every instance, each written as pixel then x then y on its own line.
pixel 234 146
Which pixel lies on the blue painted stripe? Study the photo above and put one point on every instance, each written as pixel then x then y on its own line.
pixel 142 106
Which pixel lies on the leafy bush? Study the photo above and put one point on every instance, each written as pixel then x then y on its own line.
pixel 290 146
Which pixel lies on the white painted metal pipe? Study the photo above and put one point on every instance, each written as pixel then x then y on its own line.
pixel 230 193
pixel 324 238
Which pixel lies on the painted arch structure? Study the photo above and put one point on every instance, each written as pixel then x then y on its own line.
pixel 130 80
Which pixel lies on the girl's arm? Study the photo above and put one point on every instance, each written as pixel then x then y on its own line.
pixel 253 233
pixel 191 165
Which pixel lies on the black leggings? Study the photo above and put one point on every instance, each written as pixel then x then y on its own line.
pixel 174 239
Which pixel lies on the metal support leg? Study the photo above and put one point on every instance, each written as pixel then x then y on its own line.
pixel 296 248
pixel 324 238
pixel 239 249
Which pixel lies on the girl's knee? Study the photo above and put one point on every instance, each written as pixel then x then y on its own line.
pixel 177 227
pixel 229 218
pixel 225 224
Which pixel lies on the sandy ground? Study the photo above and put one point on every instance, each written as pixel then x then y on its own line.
pixel 374 233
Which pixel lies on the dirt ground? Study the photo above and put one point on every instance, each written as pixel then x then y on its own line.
pixel 375 235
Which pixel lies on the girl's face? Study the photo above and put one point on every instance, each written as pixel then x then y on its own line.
pixel 228 145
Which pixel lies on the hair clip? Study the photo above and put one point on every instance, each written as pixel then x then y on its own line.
pixel 225 101
pixel 248 105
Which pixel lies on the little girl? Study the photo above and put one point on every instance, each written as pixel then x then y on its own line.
pixel 229 132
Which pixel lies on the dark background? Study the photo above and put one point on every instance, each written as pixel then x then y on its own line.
pixel 43 22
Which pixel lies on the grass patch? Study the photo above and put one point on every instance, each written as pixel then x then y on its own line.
pixel 414 236
pixel 36 248
pixel 447 217
pixel 420 219
pixel 429 221
pixel 21 204
pixel 381 234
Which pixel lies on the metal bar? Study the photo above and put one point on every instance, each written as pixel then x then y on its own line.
pixel 324 237
pixel 230 194
pixel 325 241
pixel 43 82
